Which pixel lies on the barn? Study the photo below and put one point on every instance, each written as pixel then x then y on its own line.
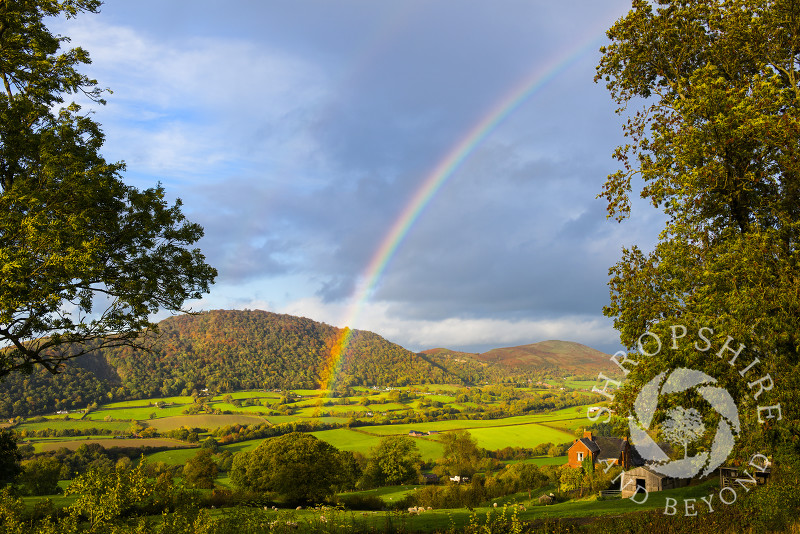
pixel 644 477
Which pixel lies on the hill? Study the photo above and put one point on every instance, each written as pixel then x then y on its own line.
pixel 221 351
pixel 225 351
pixel 551 357
pixel 552 354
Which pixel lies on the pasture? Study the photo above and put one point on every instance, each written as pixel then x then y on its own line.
pixel 210 421
pixel 557 426
pixel 73 444
pixel 530 435
pixel 140 413
pixel 74 424
pixel 363 442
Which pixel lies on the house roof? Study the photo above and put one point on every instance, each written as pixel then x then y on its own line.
pixel 591 445
pixel 642 470
pixel 610 448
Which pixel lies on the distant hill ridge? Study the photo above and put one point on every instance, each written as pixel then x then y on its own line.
pixel 548 355
pixel 227 350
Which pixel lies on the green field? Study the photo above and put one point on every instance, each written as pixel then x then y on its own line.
pixel 351 440
pixel 525 431
pixel 172 457
pixel 439 398
pixel 517 431
pixel 445 520
pixel 148 402
pixel 387 493
pixel 204 421
pixel 141 413
pixel 311 392
pixel 529 435
pixel 569 419
pixel 348 440
pixel 224 406
pixel 76 424
pixel 108 443
pixel 251 394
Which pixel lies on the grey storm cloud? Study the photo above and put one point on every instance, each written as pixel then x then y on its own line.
pixel 298 133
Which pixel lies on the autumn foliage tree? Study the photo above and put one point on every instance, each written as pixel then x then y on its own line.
pixel 711 96
pixel 395 460
pixel 297 467
pixel 460 453
pixel 85 257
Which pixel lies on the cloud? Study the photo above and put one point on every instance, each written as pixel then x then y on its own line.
pixel 457 333
pixel 204 107
pixel 296 137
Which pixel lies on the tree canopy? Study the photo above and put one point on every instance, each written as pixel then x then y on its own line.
pixel 297 466
pixel 84 257
pixel 711 94
pixel 9 456
pixel 395 460
pixel 460 453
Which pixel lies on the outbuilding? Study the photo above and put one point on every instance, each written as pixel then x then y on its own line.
pixel 646 478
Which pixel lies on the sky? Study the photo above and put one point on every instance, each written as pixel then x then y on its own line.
pixel 425 169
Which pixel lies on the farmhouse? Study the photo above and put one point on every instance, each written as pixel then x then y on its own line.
pixel 601 449
pixel 415 433
pixel 649 480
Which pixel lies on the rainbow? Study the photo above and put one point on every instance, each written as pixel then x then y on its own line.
pixel 433 183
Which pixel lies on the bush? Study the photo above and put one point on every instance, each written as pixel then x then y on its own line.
pixel 362 502
pixel 200 471
pixel 40 477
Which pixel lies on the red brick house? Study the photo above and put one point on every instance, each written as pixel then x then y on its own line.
pixel 600 449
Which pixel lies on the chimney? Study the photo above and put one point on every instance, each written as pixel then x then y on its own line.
pixel 588 434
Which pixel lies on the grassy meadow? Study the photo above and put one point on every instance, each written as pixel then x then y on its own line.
pixel 364 417
pixel 167 414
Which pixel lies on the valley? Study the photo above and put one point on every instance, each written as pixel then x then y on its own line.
pixel 185 413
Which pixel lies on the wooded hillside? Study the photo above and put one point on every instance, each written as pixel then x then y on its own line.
pixel 226 350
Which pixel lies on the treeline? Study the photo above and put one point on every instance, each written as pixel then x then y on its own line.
pixel 70 432
pixel 41 392
pixel 236 433
pixel 222 351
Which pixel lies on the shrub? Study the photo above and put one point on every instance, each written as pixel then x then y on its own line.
pixel 362 502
